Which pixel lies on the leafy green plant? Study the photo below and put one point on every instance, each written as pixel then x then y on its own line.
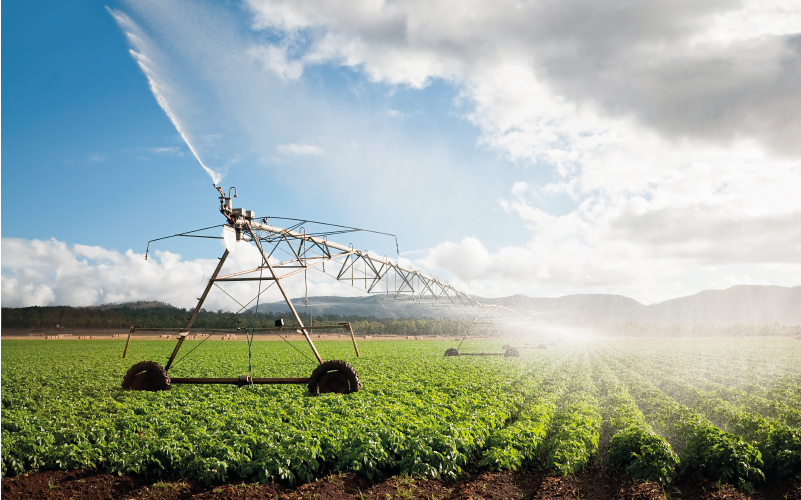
pixel 724 457
pixel 419 413
pixel 575 441
pixel 643 455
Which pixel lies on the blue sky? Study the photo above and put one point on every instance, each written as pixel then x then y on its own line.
pixel 510 155
pixel 86 143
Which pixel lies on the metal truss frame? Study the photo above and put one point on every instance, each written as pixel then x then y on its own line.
pixel 292 252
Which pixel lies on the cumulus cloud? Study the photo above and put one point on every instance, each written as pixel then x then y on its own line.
pixel 691 229
pixel 713 235
pixel 670 126
pixel 276 59
pixel 718 70
pixel 657 140
pixel 36 272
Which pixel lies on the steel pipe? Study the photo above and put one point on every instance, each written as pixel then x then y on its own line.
pixel 240 380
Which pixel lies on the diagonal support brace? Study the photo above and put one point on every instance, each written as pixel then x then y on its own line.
pixel 202 299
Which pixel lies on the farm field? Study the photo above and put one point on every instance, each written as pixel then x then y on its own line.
pixel 729 409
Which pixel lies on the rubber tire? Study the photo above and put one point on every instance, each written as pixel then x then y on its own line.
pixel 512 353
pixel 146 376
pixel 452 352
pixel 334 376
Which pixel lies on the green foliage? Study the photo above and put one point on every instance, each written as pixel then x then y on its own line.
pixel 577 432
pixel 521 439
pixel 165 315
pixel 519 442
pixel 63 409
pixel 781 451
pixel 724 457
pixel 778 443
pixel 633 445
pixel 643 455
pixel 419 413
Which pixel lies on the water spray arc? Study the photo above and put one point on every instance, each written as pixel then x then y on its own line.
pixel 301 253
pixel 156 83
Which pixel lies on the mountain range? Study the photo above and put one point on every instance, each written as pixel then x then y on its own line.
pixel 740 304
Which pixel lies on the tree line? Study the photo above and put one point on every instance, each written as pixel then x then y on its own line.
pixel 124 316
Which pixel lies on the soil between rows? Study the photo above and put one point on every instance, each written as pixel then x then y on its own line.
pixel 595 482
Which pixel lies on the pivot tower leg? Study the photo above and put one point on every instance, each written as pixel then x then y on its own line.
pixel 182 335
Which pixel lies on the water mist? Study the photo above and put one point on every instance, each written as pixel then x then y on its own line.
pixel 157 85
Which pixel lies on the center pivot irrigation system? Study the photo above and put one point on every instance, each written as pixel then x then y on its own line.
pixel 302 252
pixel 487 321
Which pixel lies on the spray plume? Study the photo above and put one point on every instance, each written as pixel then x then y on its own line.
pixel 156 84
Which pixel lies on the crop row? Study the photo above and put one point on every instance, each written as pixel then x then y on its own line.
pixel 521 439
pixel 632 443
pixel 699 444
pixel 402 422
pixel 776 396
pixel 737 364
pixel 779 445
pixel 419 413
pixel 577 422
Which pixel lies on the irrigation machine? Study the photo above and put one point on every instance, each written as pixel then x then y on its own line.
pixel 284 253
pixel 487 322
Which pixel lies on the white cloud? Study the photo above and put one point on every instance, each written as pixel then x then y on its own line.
pixel 697 228
pixel 36 272
pixel 671 126
pixel 520 188
pixel 300 149
pixel 716 70
pixel 276 59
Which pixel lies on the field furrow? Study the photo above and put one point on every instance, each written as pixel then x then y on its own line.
pixel 779 444
pixel 576 425
pixel 724 456
pixel 631 443
pixel 655 409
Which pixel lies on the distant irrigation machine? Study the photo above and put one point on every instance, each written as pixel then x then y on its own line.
pixel 302 252
pixel 488 322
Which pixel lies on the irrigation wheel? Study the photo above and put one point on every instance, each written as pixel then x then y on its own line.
pixel 452 352
pixel 146 376
pixel 512 353
pixel 334 376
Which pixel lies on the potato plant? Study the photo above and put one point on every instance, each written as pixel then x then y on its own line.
pixel 655 412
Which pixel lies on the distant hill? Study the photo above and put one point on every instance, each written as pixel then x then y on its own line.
pixel 741 304
pixel 738 305
pixel 378 306
pixel 141 304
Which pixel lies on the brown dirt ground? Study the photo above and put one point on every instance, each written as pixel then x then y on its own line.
pixel 594 482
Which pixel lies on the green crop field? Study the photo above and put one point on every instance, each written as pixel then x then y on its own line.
pixel 655 408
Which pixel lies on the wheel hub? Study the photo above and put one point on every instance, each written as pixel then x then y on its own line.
pixel 334 381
